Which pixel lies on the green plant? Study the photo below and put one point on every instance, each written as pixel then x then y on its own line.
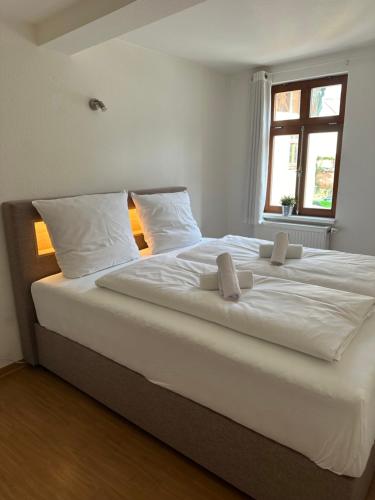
pixel 288 201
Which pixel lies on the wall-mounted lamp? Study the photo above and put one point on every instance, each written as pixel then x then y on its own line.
pixel 96 105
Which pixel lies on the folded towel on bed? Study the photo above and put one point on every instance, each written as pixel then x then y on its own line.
pixel 293 252
pixel 229 286
pixel 280 249
pixel 210 281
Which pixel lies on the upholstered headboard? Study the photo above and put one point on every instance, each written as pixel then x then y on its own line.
pixel 26 266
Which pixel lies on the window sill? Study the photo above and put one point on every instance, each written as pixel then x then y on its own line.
pixel 300 219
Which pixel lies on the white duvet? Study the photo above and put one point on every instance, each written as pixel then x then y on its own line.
pixel 327 268
pixel 314 320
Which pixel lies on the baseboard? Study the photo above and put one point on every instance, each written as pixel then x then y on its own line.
pixel 11 368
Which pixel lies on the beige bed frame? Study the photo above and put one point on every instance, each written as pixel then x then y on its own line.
pixel 253 463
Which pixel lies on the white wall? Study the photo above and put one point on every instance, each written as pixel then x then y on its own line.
pixel 356 197
pixel 164 126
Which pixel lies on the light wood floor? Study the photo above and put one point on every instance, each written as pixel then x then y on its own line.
pixel 58 444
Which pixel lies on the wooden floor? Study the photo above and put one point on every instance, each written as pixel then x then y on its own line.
pixel 58 444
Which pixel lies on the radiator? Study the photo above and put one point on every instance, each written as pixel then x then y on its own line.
pixel 308 236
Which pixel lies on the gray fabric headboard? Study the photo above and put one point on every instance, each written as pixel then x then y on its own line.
pixel 26 266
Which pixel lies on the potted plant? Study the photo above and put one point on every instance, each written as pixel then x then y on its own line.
pixel 287 205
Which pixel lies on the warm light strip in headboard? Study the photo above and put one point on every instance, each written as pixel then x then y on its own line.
pixel 43 240
pixel 135 222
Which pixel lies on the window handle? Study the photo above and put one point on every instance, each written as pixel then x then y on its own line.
pixel 332 123
pixel 278 127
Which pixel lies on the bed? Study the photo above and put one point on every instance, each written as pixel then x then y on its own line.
pixel 172 404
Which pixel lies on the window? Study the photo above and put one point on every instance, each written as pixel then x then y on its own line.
pixel 305 144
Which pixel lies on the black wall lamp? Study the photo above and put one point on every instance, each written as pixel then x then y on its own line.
pixel 96 105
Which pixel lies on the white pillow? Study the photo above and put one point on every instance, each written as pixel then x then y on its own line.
pixel 167 221
pixel 89 232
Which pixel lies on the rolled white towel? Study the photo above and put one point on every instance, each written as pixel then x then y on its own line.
pixel 280 249
pixel 227 277
pixel 209 281
pixel 293 252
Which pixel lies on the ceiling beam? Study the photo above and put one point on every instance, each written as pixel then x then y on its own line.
pixel 88 23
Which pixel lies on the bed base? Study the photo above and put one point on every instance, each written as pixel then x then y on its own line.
pixel 253 463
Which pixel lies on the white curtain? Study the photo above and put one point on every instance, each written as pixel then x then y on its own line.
pixel 260 115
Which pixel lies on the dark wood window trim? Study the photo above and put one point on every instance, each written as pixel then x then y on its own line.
pixel 302 127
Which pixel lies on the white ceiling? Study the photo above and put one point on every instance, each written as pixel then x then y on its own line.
pixel 236 34
pixel 231 34
pixel 31 11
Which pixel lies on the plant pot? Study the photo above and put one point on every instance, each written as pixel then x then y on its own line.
pixel 287 210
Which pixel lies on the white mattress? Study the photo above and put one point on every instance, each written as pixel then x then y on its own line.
pixel 324 410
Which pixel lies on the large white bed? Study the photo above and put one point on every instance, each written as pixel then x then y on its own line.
pixel 253 412
pixel 324 410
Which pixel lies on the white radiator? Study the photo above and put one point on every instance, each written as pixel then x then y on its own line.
pixel 308 236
